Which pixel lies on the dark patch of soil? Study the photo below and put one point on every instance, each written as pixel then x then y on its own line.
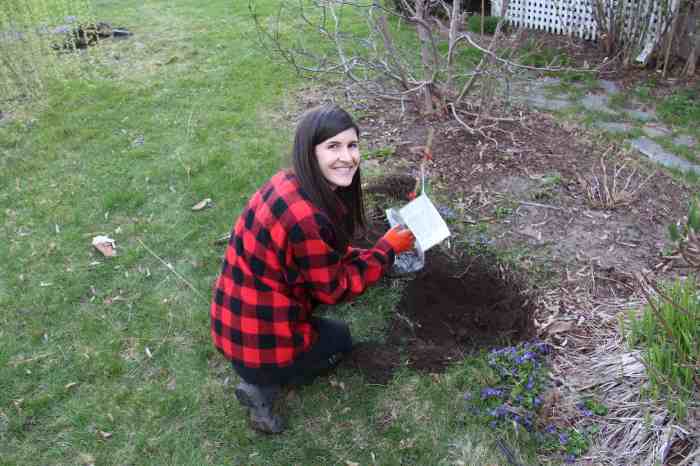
pixel 463 304
pixel 449 308
pixel 375 361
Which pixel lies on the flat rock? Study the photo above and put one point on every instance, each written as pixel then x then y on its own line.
pixel 685 140
pixel 597 102
pixel 548 103
pixel 658 154
pixel 612 127
pixel 656 131
pixel 610 87
pixel 641 115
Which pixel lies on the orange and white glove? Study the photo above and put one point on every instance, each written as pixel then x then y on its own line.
pixel 400 238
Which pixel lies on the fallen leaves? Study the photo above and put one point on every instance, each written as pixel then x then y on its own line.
pixel 203 204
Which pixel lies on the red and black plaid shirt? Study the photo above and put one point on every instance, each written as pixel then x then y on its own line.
pixel 278 265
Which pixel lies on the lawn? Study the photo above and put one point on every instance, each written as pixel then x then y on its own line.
pixel 108 360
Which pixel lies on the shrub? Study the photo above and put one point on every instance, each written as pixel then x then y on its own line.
pixel 490 23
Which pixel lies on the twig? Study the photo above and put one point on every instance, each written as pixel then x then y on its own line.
pixel 544 206
pixel 170 267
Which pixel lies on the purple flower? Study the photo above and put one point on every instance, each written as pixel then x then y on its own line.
pixel 489 392
pixel 493 424
pixel 550 429
pixel 563 439
pixel 530 383
pixel 537 401
pixel 467 396
pixel 500 411
pixel 584 410
pixel 542 347
pixel 570 458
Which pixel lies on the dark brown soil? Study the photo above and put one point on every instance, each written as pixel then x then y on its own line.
pixel 449 308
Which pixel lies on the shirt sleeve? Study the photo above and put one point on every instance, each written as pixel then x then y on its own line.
pixel 329 276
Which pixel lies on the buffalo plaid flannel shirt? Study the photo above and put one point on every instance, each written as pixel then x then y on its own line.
pixel 278 265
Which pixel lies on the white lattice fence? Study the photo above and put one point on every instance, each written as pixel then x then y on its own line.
pixel 569 17
pixel 574 17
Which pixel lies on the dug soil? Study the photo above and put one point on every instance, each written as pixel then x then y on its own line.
pixel 451 307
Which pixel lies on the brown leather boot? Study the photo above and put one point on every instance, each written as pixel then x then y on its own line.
pixel 259 399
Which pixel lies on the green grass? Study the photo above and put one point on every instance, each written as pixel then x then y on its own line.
pixel 109 361
pixel 681 108
pixel 667 333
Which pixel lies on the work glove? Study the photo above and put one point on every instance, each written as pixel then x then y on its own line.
pixel 400 238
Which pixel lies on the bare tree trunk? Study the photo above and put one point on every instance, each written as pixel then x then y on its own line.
pixel 427 59
pixel 693 38
pixel 670 35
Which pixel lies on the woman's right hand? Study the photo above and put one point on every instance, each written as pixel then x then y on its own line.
pixel 400 238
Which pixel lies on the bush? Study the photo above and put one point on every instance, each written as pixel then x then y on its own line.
pixel 667 332
pixel 490 23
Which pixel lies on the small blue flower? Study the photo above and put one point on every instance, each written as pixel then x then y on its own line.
pixel 563 439
pixel 583 409
pixel 530 383
pixel 550 429
pixel 489 392
pixel 467 396
pixel 519 399
pixel 493 424
pixel 537 401
pixel 570 458
pixel 543 348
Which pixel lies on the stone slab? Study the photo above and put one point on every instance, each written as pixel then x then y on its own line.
pixel 658 154
pixel 641 115
pixel 685 140
pixel 610 87
pixel 597 102
pixel 612 127
pixel 656 131
pixel 548 103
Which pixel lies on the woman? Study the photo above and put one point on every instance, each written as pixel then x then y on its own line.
pixel 290 251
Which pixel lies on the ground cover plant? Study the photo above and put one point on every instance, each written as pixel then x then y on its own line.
pixel 108 360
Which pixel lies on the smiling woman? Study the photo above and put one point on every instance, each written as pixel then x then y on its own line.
pixel 288 252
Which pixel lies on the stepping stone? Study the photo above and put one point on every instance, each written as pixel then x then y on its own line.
pixel 685 140
pixel 610 87
pixel 549 81
pixel 656 131
pixel 548 103
pixel 641 114
pixel 597 102
pixel 657 153
pixel 613 127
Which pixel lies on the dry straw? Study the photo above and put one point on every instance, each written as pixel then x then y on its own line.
pixel 594 360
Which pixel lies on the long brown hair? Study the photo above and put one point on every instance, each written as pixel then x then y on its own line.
pixel 344 205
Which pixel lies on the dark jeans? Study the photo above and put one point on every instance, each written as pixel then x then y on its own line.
pixel 333 339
